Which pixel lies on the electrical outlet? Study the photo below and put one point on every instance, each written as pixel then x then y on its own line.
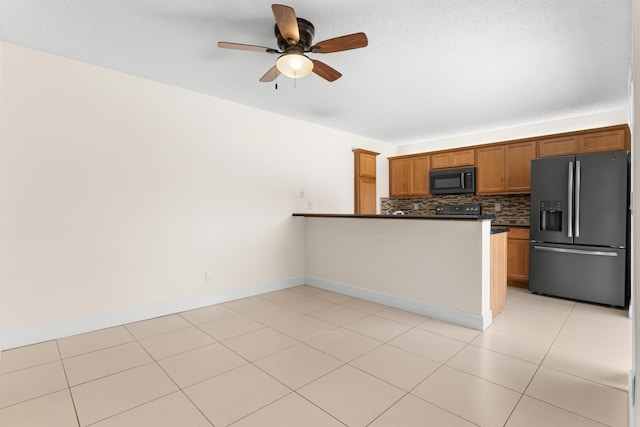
pixel 498 207
pixel 302 193
pixel 208 276
pixel 416 206
pixel 309 204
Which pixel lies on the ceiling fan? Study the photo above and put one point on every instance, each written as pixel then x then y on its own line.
pixel 294 36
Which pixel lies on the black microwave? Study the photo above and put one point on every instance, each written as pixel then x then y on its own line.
pixel 452 181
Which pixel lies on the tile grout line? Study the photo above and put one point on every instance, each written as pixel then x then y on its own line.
pixel 538 369
pixel 343 363
pixel 66 377
pixel 539 364
pixel 381 343
pixel 180 389
pixel 467 344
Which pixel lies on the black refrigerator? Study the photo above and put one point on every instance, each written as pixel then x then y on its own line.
pixel 579 227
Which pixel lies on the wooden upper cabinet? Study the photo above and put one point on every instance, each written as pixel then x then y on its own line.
pixel 562 146
pixel 505 168
pixel 490 174
pixel 365 201
pixel 453 159
pixel 409 176
pixel 399 177
pixel 501 168
pixel 367 164
pixel 518 166
pixel 420 176
pixel 610 139
pixel 603 141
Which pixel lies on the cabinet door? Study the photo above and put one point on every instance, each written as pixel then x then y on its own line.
pixel 365 201
pixel 367 165
pixel 441 161
pixel 463 158
pixel 491 170
pixel 399 177
pixel 603 141
pixel 517 262
pixel 367 196
pixel 419 176
pixel 518 166
pixel 562 146
pixel 453 159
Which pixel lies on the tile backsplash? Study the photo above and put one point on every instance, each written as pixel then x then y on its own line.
pixel 514 207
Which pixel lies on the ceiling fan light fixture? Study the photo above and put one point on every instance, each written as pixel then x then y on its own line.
pixel 294 65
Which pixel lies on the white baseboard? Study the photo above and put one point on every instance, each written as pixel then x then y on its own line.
pixel 41 333
pixel 469 320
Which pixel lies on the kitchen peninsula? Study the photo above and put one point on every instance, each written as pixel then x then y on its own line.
pixel 434 265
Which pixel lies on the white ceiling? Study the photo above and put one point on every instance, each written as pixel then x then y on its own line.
pixel 432 69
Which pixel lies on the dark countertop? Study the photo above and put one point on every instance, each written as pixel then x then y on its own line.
pixel 499 223
pixel 498 230
pixel 458 217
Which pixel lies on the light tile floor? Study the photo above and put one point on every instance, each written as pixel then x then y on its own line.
pixel 308 357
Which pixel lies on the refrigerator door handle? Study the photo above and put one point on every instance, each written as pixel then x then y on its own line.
pixel 570 202
pixel 574 251
pixel 577 218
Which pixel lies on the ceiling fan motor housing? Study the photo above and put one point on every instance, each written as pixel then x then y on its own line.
pixel 306 30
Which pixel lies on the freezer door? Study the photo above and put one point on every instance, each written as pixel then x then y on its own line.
pixel 585 273
pixel 601 199
pixel 552 199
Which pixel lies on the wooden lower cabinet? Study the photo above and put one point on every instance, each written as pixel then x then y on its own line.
pixel 518 257
pixel 498 273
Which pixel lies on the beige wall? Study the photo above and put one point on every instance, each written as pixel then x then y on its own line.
pixel 117 192
pixel 414 263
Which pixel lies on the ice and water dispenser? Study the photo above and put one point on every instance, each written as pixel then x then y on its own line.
pixel 551 215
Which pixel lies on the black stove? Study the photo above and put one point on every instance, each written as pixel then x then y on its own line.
pixel 468 210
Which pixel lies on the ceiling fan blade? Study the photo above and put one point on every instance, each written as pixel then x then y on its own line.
pixel 249 47
pixel 325 71
pixel 338 44
pixel 270 75
pixel 287 22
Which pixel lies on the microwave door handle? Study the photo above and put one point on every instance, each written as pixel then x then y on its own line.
pixel 462 180
pixel 570 202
